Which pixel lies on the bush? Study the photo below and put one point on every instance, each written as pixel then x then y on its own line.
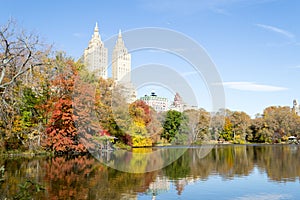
pixel 141 141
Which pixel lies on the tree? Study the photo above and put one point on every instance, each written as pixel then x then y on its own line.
pixel 276 124
pixel 175 127
pixel 19 53
pixel 193 123
pixel 280 120
pixel 227 133
pixel 111 109
pixel 217 123
pixel 240 124
pixel 22 58
pixel 140 112
pixel 62 135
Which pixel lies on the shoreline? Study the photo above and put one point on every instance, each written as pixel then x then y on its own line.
pixel 30 154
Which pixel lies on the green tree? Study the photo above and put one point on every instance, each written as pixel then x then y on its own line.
pixel 175 127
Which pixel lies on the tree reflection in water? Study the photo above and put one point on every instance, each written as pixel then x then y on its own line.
pixel 84 177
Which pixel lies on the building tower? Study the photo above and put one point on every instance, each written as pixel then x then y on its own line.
pixel 95 55
pixel 121 62
pixel 296 107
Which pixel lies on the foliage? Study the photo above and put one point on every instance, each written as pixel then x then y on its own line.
pixel 61 134
pixel 111 120
pixel 217 123
pixel 174 125
pixel 141 141
pixel 140 112
pixel 20 53
pixel 227 133
pixel 240 124
pixel 54 102
pixel 275 125
pixel 198 124
pixel 22 61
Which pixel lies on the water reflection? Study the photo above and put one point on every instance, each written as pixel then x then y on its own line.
pixel 84 177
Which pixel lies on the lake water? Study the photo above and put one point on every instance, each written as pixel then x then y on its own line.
pixel 239 172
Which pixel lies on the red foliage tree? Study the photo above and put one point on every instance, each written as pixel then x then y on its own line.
pixel 61 133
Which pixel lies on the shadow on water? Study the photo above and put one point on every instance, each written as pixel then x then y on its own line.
pixel 84 177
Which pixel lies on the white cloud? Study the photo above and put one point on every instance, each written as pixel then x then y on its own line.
pixel 250 86
pixel 276 30
pixel 264 197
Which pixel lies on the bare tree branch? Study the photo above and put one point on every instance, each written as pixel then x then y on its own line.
pixel 19 53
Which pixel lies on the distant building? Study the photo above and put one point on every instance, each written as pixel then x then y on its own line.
pixel 95 55
pixel 95 58
pixel 160 104
pixel 296 107
pixel 121 69
pixel 179 105
pixel 121 62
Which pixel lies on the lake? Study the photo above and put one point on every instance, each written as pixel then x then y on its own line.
pixel 238 172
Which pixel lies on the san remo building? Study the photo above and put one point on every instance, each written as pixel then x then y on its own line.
pixel 95 58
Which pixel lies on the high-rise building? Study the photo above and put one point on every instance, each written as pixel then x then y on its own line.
pixel 95 55
pixel 296 107
pixel 121 62
pixel 96 60
pixel 121 69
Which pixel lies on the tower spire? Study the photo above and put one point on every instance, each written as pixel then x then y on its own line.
pixel 120 34
pixel 96 27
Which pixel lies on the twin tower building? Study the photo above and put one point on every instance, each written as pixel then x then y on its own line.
pixel 96 60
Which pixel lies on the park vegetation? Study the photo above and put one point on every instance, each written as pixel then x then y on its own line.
pixel 50 102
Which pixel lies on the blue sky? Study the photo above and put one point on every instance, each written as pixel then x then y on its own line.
pixel 254 44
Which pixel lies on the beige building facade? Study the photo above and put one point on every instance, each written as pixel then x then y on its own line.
pixel 95 55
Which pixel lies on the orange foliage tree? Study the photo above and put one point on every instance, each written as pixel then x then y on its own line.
pixel 61 133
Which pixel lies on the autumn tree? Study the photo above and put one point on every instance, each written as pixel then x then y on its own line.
pixel 276 124
pixel 22 58
pixel 281 120
pixel 61 134
pixel 260 131
pixel 198 124
pixel 111 109
pixel 240 125
pixel 217 123
pixel 20 53
pixel 227 132
pixel 154 127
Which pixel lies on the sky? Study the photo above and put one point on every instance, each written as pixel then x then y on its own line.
pixel 254 44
